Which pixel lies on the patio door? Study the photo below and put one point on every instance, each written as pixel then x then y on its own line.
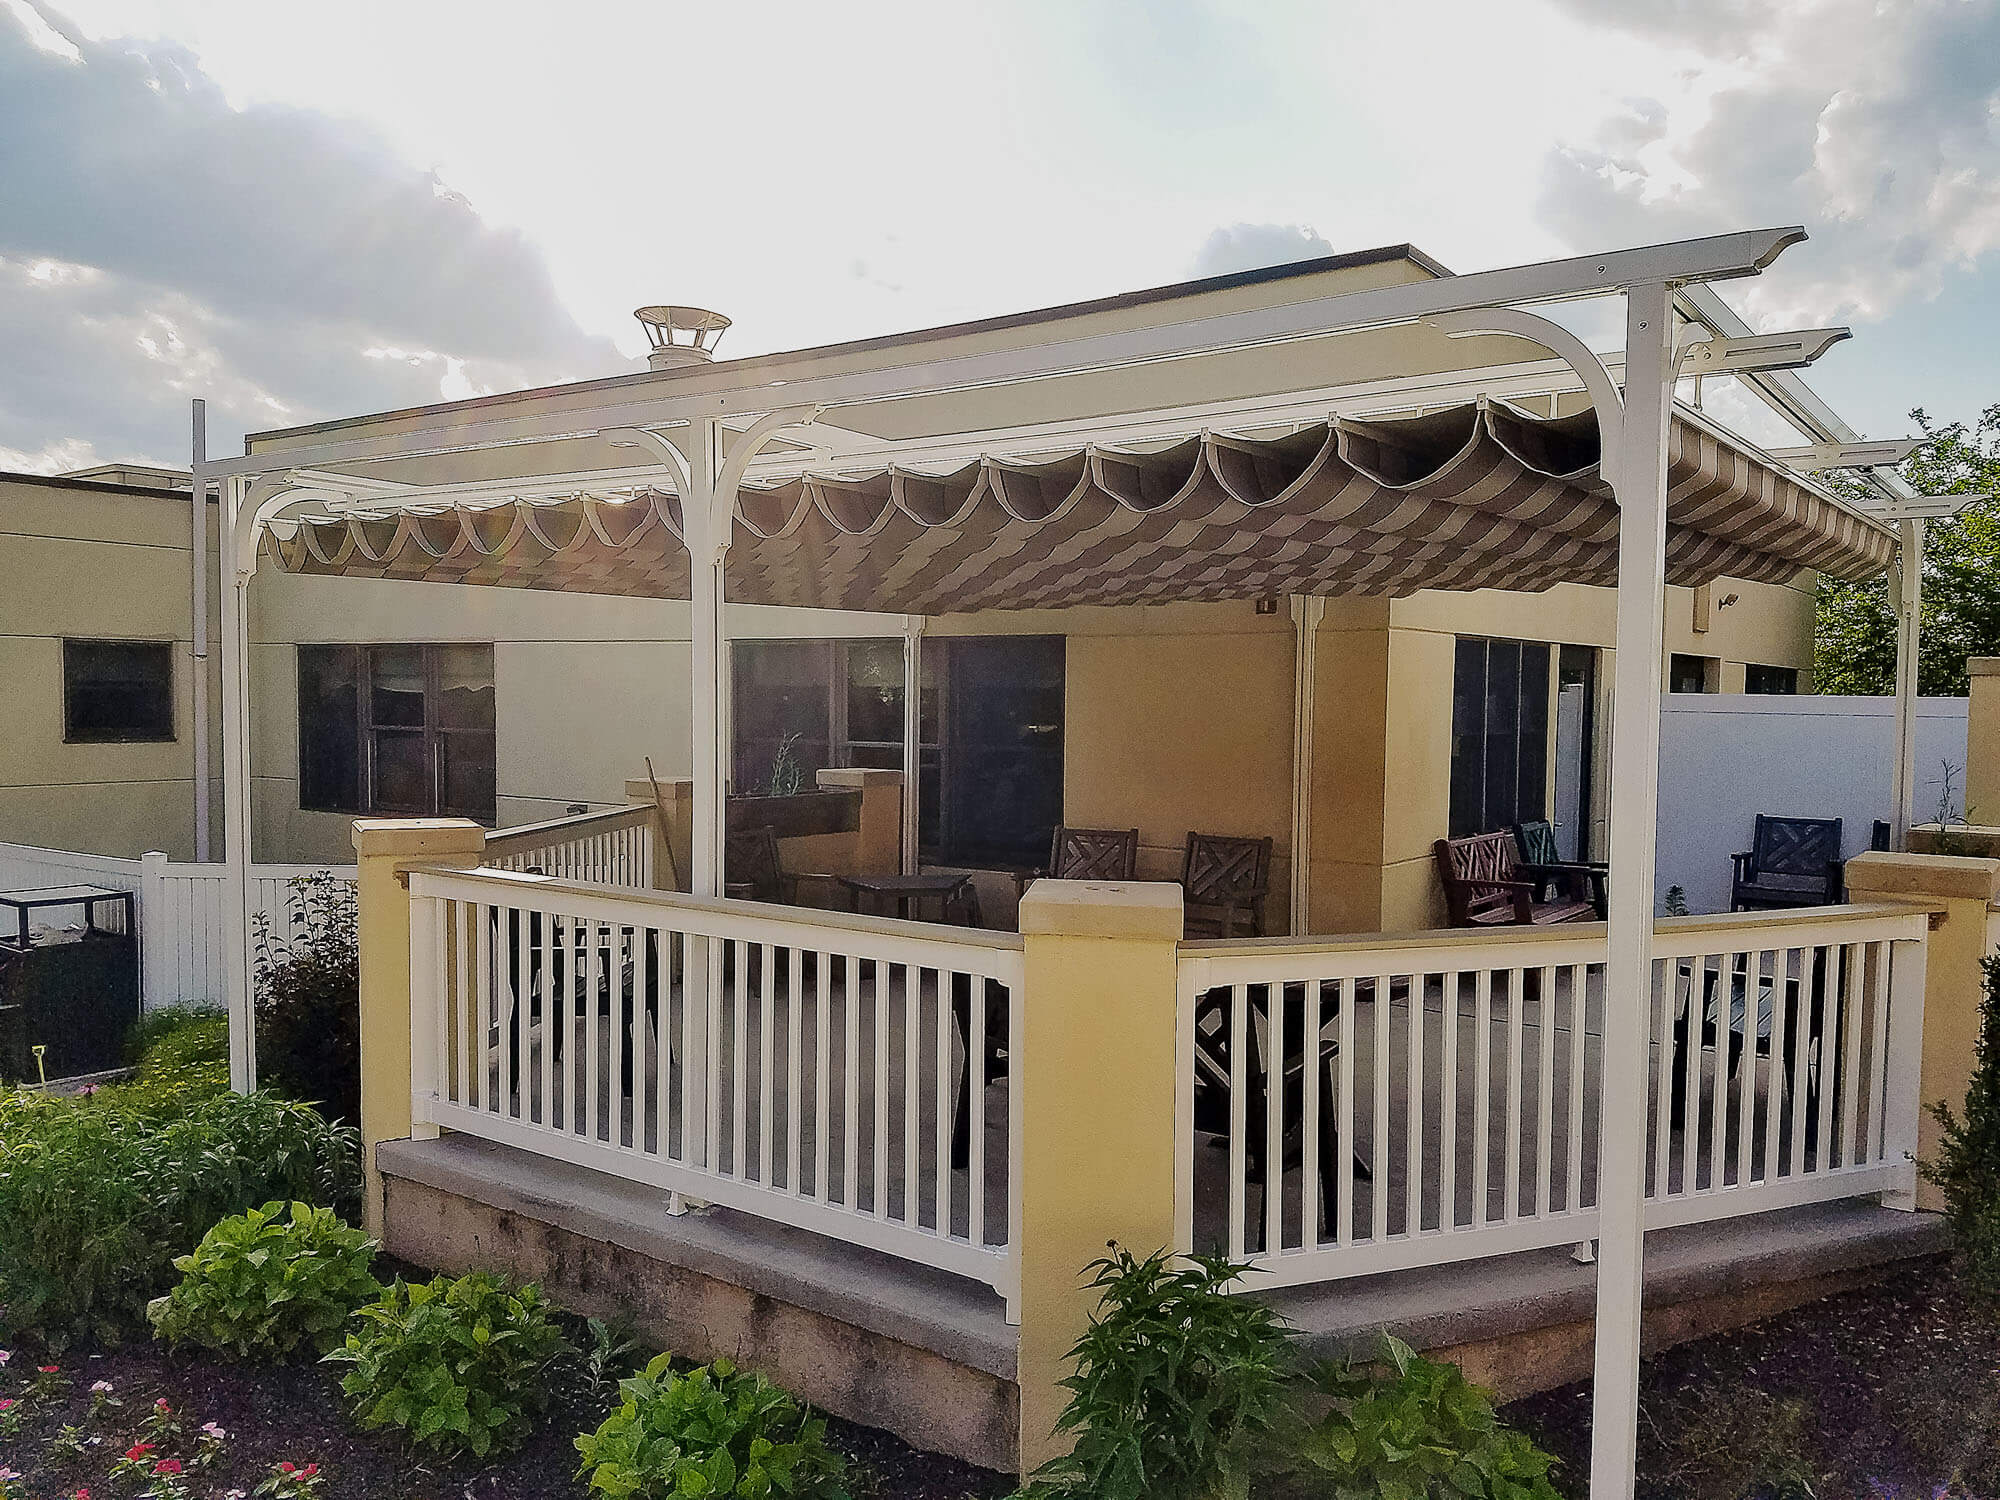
pixel 1002 774
pixel 1576 701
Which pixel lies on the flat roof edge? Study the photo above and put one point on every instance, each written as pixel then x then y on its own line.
pixel 1229 281
pixel 98 486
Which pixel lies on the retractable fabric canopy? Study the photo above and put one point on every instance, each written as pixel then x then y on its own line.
pixel 1477 496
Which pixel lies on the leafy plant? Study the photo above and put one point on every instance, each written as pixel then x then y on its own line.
pixel 713 1430
pixel 1676 902
pixel 1177 1384
pixel 610 1355
pixel 98 1195
pixel 263 1282
pixel 1967 1167
pixel 788 777
pixel 457 1365
pixel 309 999
pixel 1428 1431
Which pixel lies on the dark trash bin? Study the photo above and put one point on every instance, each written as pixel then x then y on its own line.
pixel 69 980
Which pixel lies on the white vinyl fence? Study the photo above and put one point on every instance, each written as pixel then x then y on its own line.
pixel 180 911
pixel 1725 757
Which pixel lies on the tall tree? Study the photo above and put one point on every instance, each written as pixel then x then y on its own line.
pixel 1854 648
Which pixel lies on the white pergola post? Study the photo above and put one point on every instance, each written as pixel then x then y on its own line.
pixel 198 634
pixel 236 792
pixel 913 734
pixel 1909 618
pixel 1639 481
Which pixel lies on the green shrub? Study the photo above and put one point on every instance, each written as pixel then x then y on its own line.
pixel 309 1000
pixel 98 1195
pixel 1428 1431
pixel 181 1058
pixel 1178 1385
pixel 714 1430
pixel 458 1365
pixel 263 1282
pixel 1967 1168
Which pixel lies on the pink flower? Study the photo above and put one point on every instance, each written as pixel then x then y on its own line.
pixel 167 1466
pixel 7 1403
pixel 5 1355
pixel 8 1476
pixel 161 1406
pixel 51 1369
pixel 214 1431
pixel 101 1388
pixel 287 1467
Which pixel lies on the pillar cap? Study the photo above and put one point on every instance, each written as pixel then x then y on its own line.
pixel 1103 909
pixel 1982 666
pixel 417 838
pixel 1951 876
pixel 639 789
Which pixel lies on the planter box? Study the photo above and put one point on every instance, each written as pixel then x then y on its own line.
pixel 801 815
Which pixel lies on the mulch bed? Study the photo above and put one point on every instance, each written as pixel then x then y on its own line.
pixel 1891 1390
pixel 293 1413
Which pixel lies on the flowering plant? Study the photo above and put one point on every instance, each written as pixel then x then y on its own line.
pixel 101 1397
pixel 12 1413
pixel 289 1481
pixel 161 1423
pixel 208 1444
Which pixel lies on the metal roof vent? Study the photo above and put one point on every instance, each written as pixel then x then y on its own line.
pixel 680 336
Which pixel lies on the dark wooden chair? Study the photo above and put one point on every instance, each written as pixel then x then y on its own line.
pixel 1544 865
pixel 754 868
pixel 1307 1012
pixel 527 967
pixel 1790 862
pixel 1485 885
pixel 1748 1022
pixel 1086 854
pixel 1224 882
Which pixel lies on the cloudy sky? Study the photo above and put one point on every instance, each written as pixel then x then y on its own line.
pixel 310 211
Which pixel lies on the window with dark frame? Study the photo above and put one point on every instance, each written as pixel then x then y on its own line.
pixel 1687 674
pixel 1499 734
pixel 118 692
pixel 1780 680
pixel 399 729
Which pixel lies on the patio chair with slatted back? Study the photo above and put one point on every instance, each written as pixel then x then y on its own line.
pixel 1094 854
pixel 1542 862
pixel 1224 882
pixel 1790 862
pixel 1485 886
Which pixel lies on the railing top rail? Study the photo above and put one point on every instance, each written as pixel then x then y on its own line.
pixel 1444 947
pixel 501 886
pixel 554 830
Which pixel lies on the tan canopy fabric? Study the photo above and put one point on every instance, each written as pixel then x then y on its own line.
pixel 1481 496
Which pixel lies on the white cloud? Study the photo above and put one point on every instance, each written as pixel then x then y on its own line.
pixel 159 243
pixel 1245 247
pixel 1876 127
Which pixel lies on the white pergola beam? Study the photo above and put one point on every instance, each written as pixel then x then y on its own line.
pixel 1759 351
pixel 1884 453
pixel 722 391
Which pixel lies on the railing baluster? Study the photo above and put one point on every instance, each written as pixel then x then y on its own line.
pixel 1482 1085
pixel 1273 1059
pixel 1448 1108
pixel 1378 1177
pixel 880 1201
pixel 1239 1085
pixel 1829 997
pixel 822 1072
pixel 1878 1069
pixel 739 1063
pixel 1343 1204
pixel 1853 992
pixel 1799 1063
pixel 940 1094
pixel 1579 1028
pixel 1746 1083
pixel 1699 992
pixel 794 1090
pixel 850 1077
pixel 767 1025
pixel 1414 1106
pixel 975 1083
pixel 1545 1052
pixel 1718 1080
pixel 1517 1004
pixel 1312 1023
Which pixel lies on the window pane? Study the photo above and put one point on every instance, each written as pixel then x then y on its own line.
pixel 1758 679
pixel 465 687
pixel 396 685
pixel 118 690
pixel 782 711
pixel 1532 761
pixel 1503 708
pixel 468 776
pixel 402 772
pixel 329 728
pixel 874 692
pixel 1468 737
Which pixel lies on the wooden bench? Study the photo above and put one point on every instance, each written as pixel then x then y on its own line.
pixel 1486 885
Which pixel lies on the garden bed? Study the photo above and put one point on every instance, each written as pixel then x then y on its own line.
pixel 292 1413
pixel 1891 1390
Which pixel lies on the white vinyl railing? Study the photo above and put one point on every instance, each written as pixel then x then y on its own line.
pixel 603 848
pixel 830 1072
pixel 1348 1107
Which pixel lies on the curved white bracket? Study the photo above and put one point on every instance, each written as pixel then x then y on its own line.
pixel 752 440
pixel 254 519
pixel 1560 342
pixel 658 446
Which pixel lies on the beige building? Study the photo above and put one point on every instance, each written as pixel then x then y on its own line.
pixel 1438 713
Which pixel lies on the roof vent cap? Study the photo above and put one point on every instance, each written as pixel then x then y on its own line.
pixel 680 336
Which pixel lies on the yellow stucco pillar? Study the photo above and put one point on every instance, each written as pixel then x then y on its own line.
pixel 879 848
pixel 671 850
pixel 385 848
pixel 1982 741
pixel 1963 932
pixel 1096 1079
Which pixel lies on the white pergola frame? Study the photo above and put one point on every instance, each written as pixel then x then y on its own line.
pixel 681 427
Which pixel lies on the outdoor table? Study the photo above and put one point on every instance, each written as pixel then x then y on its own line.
pixel 908 892
pixel 1747 1025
